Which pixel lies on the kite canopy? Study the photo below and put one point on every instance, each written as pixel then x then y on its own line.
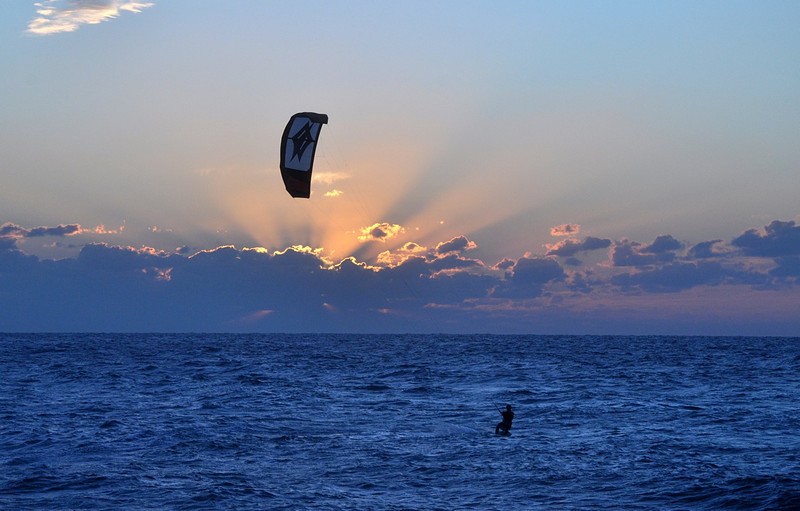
pixel 298 146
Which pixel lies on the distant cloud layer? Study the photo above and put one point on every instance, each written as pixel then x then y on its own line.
pixel 9 230
pixel 411 288
pixel 56 16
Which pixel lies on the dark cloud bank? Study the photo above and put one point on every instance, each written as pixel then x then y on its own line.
pixel 640 288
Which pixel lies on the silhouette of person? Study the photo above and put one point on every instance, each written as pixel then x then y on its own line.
pixel 505 424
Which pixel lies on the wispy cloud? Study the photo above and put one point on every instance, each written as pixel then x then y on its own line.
pixel 56 16
pixel 329 178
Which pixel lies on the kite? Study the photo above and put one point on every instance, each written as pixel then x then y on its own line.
pixel 298 145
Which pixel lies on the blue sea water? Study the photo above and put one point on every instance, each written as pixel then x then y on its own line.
pixel 331 422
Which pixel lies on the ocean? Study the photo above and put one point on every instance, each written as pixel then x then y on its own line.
pixel 396 422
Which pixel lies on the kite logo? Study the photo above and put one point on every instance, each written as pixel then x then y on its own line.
pixel 301 141
pixel 298 145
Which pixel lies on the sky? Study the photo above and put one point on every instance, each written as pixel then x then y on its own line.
pixel 573 167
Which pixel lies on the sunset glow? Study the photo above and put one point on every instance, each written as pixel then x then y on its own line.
pixel 513 167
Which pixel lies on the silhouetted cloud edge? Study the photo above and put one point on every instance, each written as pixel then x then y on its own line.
pixel 227 287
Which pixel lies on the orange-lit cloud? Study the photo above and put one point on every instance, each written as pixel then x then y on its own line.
pixel 101 229
pixel 401 255
pixel 380 232
pixel 329 178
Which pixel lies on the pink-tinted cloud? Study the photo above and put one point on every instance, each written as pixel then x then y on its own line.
pixel 565 230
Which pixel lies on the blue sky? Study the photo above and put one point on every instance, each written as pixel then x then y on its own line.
pixel 579 167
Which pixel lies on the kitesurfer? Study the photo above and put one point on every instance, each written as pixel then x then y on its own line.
pixel 505 424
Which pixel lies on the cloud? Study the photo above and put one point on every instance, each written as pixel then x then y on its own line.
pixel 570 247
pixel 674 277
pixel 413 248
pixel 412 288
pixel 536 271
pixel 453 261
pixel 663 244
pixel 115 258
pixel 103 230
pixel 7 243
pixel 9 230
pixel 56 16
pixel 788 268
pixel 61 230
pixel 457 244
pixel 10 233
pixel 529 276
pixel 334 193
pixel 704 250
pixel 445 257
pixel 389 258
pixel 774 240
pixel 380 232
pixel 629 253
pixel 565 230
pixel 329 178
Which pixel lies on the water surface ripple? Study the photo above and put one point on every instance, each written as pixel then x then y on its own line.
pixel 112 421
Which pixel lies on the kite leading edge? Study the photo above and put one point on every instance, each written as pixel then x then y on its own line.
pixel 298 146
